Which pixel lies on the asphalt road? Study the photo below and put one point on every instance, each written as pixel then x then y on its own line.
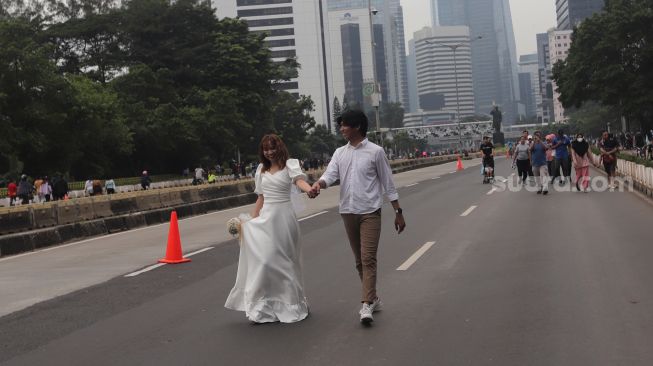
pixel 512 278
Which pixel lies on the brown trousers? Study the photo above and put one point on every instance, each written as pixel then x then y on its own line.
pixel 364 232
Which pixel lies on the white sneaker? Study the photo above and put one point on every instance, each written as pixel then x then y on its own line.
pixel 377 305
pixel 366 314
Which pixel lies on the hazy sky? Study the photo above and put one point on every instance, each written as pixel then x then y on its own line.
pixel 529 17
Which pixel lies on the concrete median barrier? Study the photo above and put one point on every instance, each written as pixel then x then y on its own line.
pixel 149 201
pixel 15 220
pixel 44 215
pixel 15 244
pixel 102 206
pixel 85 209
pixel 124 204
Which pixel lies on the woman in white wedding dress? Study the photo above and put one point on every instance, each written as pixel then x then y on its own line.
pixel 269 284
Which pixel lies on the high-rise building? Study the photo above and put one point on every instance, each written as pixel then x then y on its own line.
pixel 294 29
pixel 559 44
pixel 443 61
pixel 390 49
pixel 571 12
pixel 494 57
pixel 529 84
pixel 545 108
pixel 413 98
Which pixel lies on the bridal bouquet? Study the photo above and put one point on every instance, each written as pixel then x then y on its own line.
pixel 235 225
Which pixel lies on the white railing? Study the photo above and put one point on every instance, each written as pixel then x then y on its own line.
pixel 639 173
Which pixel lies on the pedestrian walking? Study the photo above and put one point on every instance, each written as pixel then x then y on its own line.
pixel 550 156
pixel 522 159
pixel 365 177
pixel 24 190
pixel 88 187
pixel 12 192
pixel 45 190
pixel 37 188
pixel 145 180
pixel 59 187
pixel 581 162
pixel 110 186
pixel 609 148
pixel 269 284
pixel 538 162
pixel 561 146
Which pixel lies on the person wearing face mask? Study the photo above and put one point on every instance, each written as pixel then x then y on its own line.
pixel 580 159
pixel 269 284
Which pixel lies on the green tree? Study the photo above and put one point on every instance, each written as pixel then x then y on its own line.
pixel 337 111
pixel 608 61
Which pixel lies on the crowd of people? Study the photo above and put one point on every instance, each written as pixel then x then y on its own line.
pixel 42 189
pixel 551 157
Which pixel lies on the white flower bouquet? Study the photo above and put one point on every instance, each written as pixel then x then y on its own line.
pixel 235 225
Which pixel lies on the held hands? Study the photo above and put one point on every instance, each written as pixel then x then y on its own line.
pixel 315 190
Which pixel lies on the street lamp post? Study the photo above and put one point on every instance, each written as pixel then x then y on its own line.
pixel 375 99
pixel 454 48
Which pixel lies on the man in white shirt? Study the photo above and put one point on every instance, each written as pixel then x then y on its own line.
pixel 365 177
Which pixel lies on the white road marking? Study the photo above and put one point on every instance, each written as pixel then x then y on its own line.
pixel 435 178
pixel 155 266
pixel 198 252
pixel 494 189
pixel 410 185
pixel 146 269
pixel 452 172
pixel 312 216
pixel 469 210
pixel 502 180
pixel 413 258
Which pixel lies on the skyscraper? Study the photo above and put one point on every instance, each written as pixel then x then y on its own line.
pixel 571 12
pixel 389 40
pixel 559 44
pixel 294 29
pixel 494 57
pixel 444 76
pixel 545 108
pixel 529 83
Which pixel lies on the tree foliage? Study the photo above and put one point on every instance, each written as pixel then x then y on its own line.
pixel 609 61
pixel 98 88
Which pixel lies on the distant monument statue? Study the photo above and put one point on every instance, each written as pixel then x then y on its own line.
pixel 497 118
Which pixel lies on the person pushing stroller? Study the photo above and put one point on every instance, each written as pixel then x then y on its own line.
pixel 488 160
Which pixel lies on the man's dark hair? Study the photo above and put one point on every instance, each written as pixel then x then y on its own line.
pixel 561 132
pixel 354 119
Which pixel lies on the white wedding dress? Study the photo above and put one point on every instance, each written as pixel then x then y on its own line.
pixel 269 284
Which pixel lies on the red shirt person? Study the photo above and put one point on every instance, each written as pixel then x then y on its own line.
pixel 12 190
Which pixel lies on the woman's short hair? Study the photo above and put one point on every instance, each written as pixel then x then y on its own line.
pixel 354 119
pixel 272 141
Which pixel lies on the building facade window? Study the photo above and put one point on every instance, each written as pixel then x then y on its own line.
pixel 261 2
pixel 264 11
pixel 269 22
pixel 280 43
pixel 283 54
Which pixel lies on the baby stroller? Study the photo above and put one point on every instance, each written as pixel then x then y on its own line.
pixel 488 171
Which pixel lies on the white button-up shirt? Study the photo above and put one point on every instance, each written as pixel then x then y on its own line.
pixel 365 176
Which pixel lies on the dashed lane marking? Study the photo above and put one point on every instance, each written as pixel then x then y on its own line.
pixel 469 210
pixel 155 266
pixel 411 185
pixel 413 258
pixel 312 216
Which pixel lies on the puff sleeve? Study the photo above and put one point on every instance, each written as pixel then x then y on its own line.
pixel 258 180
pixel 295 170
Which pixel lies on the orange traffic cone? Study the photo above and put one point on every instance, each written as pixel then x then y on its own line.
pixel 173 252
pixel 459 165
